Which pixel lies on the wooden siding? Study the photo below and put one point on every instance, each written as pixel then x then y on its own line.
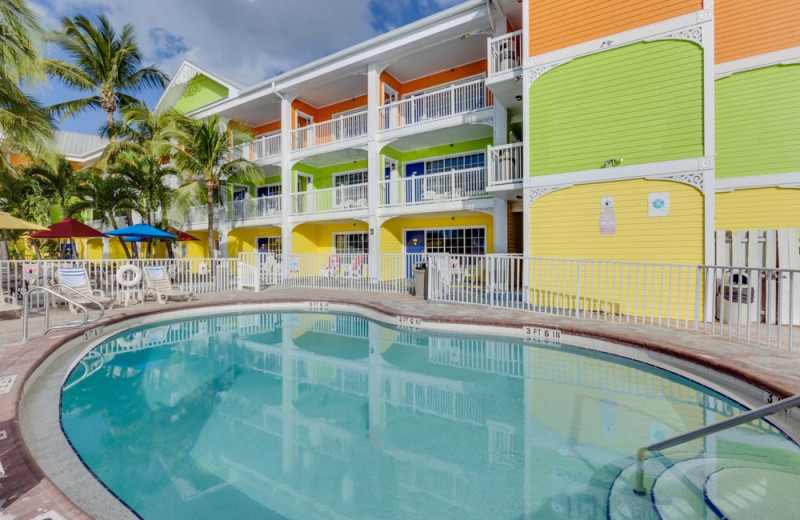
pixel 758 122
pixel 566 224
pixel 200 91
pixel 642 102
pixel 747 27
pixel 555 24
pixel 758 208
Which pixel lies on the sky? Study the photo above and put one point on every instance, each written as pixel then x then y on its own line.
pixel 245 40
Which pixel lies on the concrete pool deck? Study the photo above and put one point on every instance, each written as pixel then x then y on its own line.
pixel 27 494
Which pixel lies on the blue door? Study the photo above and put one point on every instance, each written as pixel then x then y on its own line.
pixel 387 175
pixel 415 248
pixel 414 186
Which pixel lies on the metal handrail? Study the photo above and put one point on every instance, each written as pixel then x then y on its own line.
pixel 757 413
pixel 70 324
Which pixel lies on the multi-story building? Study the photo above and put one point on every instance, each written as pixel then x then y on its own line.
pixel 627 130
pixel 398 144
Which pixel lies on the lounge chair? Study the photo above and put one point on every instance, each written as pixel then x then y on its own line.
pixel 159 284
pixel 76 279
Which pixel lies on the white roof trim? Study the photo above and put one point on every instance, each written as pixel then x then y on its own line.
pixel 185 73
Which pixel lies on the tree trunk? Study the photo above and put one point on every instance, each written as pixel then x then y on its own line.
pixel 134 246
pixel 124 244
pixel 163 203
pixel 210 204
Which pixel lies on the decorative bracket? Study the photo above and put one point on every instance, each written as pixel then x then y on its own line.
pixel 537 72
pixel 534 194
pixel 695 179
pixel 185 75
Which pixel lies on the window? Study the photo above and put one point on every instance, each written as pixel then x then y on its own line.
pixel 268 190
pixel 269 245
pixel 466 241
pixel 348 179
pixel 460 162
pixel 351 243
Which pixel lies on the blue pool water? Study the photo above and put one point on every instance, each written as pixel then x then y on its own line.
pixel 332 416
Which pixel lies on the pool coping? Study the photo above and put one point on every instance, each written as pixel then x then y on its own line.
pixel 31 493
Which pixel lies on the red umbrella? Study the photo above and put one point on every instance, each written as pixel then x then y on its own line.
pixel 68 228
pixel 182 237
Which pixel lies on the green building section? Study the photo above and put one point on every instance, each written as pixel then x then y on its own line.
pixel 637 104
pixel 758 122
pixel 200 91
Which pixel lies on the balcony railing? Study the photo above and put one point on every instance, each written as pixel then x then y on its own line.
pixel 439 187
pixel 341 198
pixel 327 132
pixel 198 215
pixel 262 147
pixel 505 164
pixel 437 104
pixel 505 53
pixel 260 207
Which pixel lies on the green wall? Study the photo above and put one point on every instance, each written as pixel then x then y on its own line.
pixel 642 102
pixel 758 122
pixel 200 91
pixel 476 145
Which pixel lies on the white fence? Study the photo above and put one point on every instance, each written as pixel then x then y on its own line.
pixel 505 164
pixel 437 187
pixel 505 52
pixel 338 129
pixel 200 275
pixel 262 147
pixel 340 198
pixel 443 102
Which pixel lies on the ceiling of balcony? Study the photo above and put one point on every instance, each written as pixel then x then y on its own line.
pixel 438 58
pixel 258 112
pixel 443 137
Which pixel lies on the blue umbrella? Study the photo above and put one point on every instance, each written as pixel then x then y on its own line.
pixel 141 232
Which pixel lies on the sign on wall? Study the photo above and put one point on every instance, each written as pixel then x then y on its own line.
pixel 608 216
pixel 658 204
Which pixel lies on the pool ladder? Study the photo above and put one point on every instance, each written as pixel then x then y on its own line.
pixel 51 291
pixel 758 413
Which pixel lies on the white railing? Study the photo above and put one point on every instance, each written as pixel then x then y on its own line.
pixel 340 198
pixel 201 275
pixel 198 215
pixel 390 272
pixel 262 147
pixel 444 102
pixel 505 164
pixel 338 129
pixel 505 52
pixel 438 187
pixel 258 270
pixel 260 207
pixel 752 305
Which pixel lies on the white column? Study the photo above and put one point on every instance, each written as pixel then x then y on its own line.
pixel 374 168
pixel 286 181
pixel 105 248
pixel 500 225
pixel 500 136
pixel 709 150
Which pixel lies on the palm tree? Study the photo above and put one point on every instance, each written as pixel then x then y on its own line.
pixel 106 197
pixel 105 64
pixel 24 126
pixel 23 198
pixel 57 184
pixel 149 179
pixel 206 164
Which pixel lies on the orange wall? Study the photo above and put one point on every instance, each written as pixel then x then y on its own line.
pixel 555 24
pixel 269 127
pixel 749 27
pixel 444 77
pixel 326 113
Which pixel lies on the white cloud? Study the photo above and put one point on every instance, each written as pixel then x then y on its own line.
pixel 246 40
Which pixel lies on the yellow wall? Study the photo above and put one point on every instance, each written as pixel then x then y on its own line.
pixel 317 238
pixel 243 240
pixel 758 208
pixel 566 224
pixel 199 248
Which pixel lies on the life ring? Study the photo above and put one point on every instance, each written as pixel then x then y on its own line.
pixel 124 280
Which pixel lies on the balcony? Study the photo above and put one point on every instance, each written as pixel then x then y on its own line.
pixel 253 209
pixel 505 53
pixel 197 217
pixel 341 198
pixel 505 166
pixel 438 104
pixel 262 148
pixel 336 130
pixel 456 185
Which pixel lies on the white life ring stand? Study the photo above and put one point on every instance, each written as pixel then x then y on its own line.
pixel 124 280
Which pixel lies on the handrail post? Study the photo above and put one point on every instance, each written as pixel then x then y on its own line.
pixel 639 488
pixel 25 317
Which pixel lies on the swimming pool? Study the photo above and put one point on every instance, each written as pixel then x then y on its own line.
pixel 323 415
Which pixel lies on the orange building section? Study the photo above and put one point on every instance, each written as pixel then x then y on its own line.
pixel 444 77
pixel 746 28
pixel 555 24
pixel 269 127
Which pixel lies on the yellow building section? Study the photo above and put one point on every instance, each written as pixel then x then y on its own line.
pixel 94 249
pixel 393 231
pixel 317 238
pixel 243 240
pixel 571 224
pixel 758 208
pixel 197 248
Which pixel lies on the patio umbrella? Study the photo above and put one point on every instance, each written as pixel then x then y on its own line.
pixel 69 228
pixel 142 233
pixel 182 236
pixel 9 222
